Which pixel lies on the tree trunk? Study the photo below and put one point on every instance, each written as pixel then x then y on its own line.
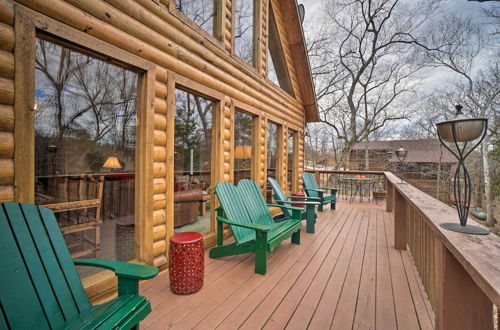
pixel 490 221
pixel 367 155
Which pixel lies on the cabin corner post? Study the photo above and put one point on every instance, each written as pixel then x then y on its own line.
pixel 259 150
pixel 460 303
pixel 300 160
pixel 400 221
pixel 389 200
pixel 23 141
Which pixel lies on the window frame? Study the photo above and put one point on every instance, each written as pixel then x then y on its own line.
pixel 30 24
pixel 256 37
pixel 176 81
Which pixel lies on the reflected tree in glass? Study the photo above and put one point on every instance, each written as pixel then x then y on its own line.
pixel 242 146
pixel 244 30
pixel 201 12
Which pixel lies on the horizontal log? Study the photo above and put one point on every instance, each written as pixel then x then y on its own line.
pixel 160 106
pixel 6 193
pixel 159 217
pixel 159 204
pixel 160 261
pixel 160 138
pixel 6 12
pixel 6 118
pixel 160 122
pixel 159 232
pixel 249 90
pixel 160 90
pixel 6 37
pixel 159 170
pixel 6 171
pixel 6 91
pixel 159 248
pixel 159 154
pixel 6 145
pixel 159 185
pixel 6 64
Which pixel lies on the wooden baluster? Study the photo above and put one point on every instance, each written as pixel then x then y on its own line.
pixel 460 303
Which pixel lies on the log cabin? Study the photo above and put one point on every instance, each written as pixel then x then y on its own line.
pixel 122 115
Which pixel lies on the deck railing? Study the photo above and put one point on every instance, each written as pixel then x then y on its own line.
pixel 460 272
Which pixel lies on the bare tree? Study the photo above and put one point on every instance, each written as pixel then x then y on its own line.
pixel 58 66
pixel 465 51
pixel 363 64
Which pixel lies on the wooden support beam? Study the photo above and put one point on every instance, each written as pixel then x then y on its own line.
pixel 400 233
pixel 389 199
pixel 461 304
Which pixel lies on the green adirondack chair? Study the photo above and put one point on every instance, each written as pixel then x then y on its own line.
pixel 312 190
pixel 309 214
pixel 39 285
pixel 254 230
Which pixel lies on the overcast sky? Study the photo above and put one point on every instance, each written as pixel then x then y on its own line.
pixel 433 77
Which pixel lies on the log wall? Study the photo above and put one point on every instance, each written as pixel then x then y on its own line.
pixel 181 54
pixel 7 67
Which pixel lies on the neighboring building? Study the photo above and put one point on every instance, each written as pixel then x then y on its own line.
pixel 123 115
pixel 427 162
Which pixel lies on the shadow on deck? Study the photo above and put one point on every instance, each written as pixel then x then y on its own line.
pixel 346 275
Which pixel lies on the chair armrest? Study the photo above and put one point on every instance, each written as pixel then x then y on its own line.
pixel 304 197
pixel 331 189
pixel 121 269
pixel 296 211
pixel 313 189
pixel 245 225
pixel 297 202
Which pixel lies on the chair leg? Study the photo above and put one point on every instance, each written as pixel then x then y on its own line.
pixel 310 218
pixel 261 253
pixel 320 207
pixel 296 237
pixel 332 205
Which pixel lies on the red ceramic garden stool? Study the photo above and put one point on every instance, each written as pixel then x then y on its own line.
pixel 186 262
pixel 298 199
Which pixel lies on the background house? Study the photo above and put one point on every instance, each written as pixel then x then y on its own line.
pixel 428 165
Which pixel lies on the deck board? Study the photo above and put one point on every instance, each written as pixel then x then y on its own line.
pixel 346 275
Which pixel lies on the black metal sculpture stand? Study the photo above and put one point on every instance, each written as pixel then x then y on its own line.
pixel 462 194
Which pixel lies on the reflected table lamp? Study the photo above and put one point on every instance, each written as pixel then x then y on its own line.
pixel 113 163
pixel 401 154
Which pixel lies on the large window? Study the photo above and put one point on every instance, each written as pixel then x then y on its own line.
pixel 242 146
pixel 277 70
pixel 192 159
pixel 244 30
pixel 291 158
pixel 85 141
pixel 201 12
pixel 272 155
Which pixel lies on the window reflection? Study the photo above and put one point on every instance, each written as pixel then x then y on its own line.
pixel 85 140
pixel 277 70
pixel 291 158
pixel 242 146
pixel 192 162
pixel 201 12
pixel 244 30
pixel 272 154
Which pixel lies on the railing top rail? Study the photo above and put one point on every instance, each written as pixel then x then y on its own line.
pixel 478 254
pixel 345 172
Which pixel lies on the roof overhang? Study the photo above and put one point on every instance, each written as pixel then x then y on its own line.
pixel 296 40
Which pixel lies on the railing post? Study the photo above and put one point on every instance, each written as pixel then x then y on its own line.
pixel 460 303
pixel 317 178
pixel 389 195
pixel 400 235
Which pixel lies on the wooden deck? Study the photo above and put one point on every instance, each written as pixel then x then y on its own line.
pixel 346 275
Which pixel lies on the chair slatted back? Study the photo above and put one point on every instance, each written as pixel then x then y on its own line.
pixel 256 205
pixel 310 183
pixel 234 209
pixel 240 204
pixel 40 287
pixel 279 195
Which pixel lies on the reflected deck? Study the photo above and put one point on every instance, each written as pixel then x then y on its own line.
pixel 346 275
